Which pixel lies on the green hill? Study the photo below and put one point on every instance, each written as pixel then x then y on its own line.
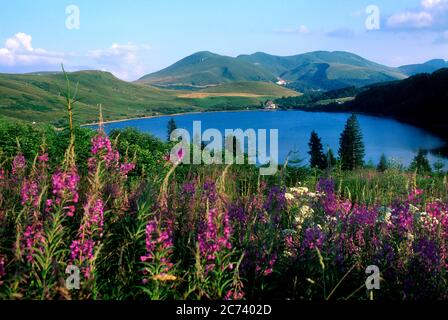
pixel 427 67
pixel 320 70
pixel 252 87
pixel 421 100
pixel 38 97
pixel 206 68
pixel 323 70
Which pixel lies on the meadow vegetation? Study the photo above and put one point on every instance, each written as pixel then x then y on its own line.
pixel 139 226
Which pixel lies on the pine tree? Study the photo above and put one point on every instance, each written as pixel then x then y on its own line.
pixel 351 145
pixel 317 159
pixel 383 165
pixel 170 128
pixel 330 159
pixel 420 164
pixel 438 166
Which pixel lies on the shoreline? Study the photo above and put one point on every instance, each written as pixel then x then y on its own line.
pixel 171 115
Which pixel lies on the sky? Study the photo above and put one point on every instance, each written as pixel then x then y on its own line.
pixel 135 37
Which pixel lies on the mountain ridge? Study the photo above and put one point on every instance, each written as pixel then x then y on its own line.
pixel 318 70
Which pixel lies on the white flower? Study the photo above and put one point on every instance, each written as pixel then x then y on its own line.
pixel 413 209
pixel 289 196
pixel 306 211
pixel 300 190
pixel 312 195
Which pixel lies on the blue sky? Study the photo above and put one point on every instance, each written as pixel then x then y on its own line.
pixel 134 37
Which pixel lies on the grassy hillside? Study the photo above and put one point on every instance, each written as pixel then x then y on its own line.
pixel 252 87
pixel 427 67
pixel 420 99
pixel 206 68
pixel 324 70
pixel 320 70
pixel 39 97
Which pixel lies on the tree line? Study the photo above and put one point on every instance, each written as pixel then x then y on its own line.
pixel 352 152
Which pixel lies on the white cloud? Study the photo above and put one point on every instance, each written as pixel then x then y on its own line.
pixel 19 51
pixel 122 60
pixel 431 14
pixel 410 19
pixel 431 4
pixel 300 30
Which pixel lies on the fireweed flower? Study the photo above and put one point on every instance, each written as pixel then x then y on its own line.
pixel 43 158
pixel 276 200
pixel 65 188
pixel 209 192
pixel 159 245
pixel 18 165
pixel 188 189
pixel 32 240
pixel 212 239
pixel 102 148
pixel 313 238
pixel 125 168
pixel 2 269
pixel 82 252
pixel 30 193
pixel 234 294
pixel 90 230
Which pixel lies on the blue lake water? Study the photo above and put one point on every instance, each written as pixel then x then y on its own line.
pixel 396 140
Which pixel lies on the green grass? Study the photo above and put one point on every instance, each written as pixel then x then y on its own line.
pixel 39 97
pixel 253 87
pixel 206 68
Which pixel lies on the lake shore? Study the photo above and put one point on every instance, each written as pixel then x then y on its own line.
pixel 173 115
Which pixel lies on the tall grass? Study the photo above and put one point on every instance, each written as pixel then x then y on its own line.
pixel 165 230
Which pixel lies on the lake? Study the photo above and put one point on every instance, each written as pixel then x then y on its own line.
pixel 396 140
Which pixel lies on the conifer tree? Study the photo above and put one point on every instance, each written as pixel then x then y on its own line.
pixel 170 128
pixel 420 164
pixel 330 159
pixel 317 159
pixel 351 145
pixel 383 165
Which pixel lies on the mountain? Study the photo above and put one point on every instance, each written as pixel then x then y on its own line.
pixel 38 97
pixel 320 70
pixel 206 68
pixel 427 67
pixel 323 70
pixel 421 100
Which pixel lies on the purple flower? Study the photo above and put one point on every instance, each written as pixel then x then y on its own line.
pixel 214 235
pixel 159 244
pixel 125 168
pixel 2 269
pixel 102 147
pixel 43 158
pixel 32 240
pixel 189 189
pixel 18 164
pixel 30 193
pixel 65 188
pixel 91 228
pixel 313 238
